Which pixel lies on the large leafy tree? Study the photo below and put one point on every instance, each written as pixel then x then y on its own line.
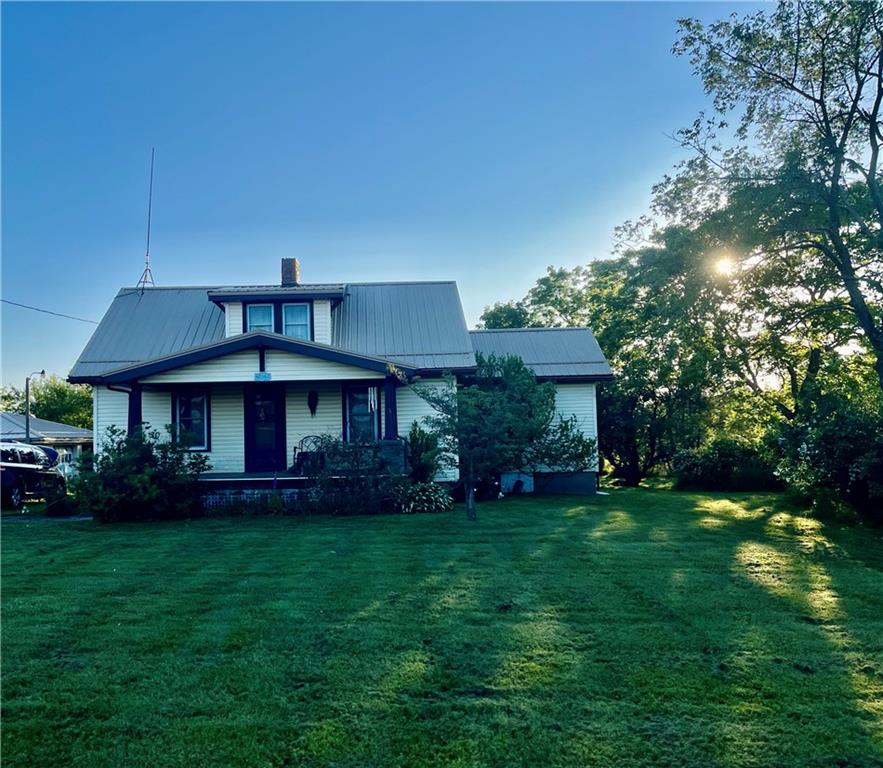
pixel 54 399
pixel 649 316
pixel 802 165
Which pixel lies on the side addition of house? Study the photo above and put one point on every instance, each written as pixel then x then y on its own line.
pixel 251 371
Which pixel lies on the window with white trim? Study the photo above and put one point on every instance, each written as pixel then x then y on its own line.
pixel 191 419
pixel 260 317
pixel 296 321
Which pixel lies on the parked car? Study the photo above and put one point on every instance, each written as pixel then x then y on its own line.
pixel 27 472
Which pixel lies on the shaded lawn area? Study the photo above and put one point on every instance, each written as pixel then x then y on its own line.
pixel 643 628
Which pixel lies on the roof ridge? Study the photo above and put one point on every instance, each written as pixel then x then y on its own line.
pixel 535 328
pixel 167 288
pixel 404 282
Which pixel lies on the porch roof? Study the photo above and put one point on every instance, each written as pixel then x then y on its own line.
pixel 253 340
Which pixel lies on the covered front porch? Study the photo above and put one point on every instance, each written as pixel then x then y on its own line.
pixel 267 431
pixel 255 403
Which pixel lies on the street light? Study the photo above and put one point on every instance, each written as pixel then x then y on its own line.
pixel 42 375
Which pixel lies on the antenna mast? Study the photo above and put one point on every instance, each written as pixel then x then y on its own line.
pixel 147 274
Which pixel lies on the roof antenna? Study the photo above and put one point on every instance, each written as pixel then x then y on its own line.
pixel 147 274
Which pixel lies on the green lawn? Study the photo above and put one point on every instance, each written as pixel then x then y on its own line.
pixel 644 628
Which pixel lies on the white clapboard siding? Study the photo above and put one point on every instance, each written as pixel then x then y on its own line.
pixel 411 407
pixel 237 366
pixel 289 366
pixel 578 400
pixel 110 409
pixel 299 422
pixel 233 317
pixel 156 410
pixel 322 321
pixel 227 418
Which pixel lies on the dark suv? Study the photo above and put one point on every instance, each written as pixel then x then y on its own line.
pixel 26 472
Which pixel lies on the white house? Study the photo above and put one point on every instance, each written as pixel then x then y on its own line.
pixel 253 370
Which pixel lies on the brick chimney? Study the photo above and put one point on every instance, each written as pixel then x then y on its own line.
pixel 290 272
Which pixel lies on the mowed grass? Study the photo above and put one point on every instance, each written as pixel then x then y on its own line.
pixel 646 628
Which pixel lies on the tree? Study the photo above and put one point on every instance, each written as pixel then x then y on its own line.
pixel 648 310
pixel 502 419
pixel 806 83
pixel 12 399
pixel 57 400
pixel 510 314
pixel 53 399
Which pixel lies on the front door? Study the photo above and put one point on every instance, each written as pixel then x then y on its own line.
pixel 265 428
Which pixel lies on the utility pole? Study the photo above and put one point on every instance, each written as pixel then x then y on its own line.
pixel 41 374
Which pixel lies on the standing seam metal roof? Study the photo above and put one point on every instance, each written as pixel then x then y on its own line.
pixel 552 352
pixel 143 324
pixel 419 324
pixel 12 427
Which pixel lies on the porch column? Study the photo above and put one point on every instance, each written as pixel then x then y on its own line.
pixel 135 417
pixel 390 409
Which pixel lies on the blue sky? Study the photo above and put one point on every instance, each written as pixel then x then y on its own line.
pixel 478 143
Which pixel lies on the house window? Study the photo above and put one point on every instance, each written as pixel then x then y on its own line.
pixel 190 416
pixel 296 321
pixel 362 415
pixel 260 317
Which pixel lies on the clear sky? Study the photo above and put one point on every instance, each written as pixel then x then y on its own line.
pixel 478 143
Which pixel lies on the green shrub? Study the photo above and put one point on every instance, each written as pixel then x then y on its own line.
pixel 422 498
pixel 835 458
pixel 424 454
pixel 724 465
pixel 139 477
pixel 351 479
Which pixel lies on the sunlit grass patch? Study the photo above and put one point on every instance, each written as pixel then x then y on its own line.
pixel 713 522
pixel 732 510
pixel 804 583
pixel 579 511
pixel 807 532
pixel 409 670
pixel 539 652
pixel 616 521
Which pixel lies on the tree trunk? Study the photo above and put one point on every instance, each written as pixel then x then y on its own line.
pixel 866 320
pixel 470 491
pixel 470 500
pixel 631 476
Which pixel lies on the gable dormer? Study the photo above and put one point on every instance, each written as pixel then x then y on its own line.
pixel 292 309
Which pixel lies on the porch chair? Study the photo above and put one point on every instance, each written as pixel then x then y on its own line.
pixel 308 457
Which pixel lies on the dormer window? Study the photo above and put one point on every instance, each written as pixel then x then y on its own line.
pixel 296 321
pixel 260 317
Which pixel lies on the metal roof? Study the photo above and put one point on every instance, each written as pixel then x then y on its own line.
pixel 419 324
pixel 548 352
pixel 415 324
pixel 12 427
pixel 143 324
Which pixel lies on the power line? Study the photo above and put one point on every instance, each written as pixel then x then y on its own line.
pixel 49 312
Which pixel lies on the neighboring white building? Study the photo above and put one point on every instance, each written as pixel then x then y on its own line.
pixel 253 370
